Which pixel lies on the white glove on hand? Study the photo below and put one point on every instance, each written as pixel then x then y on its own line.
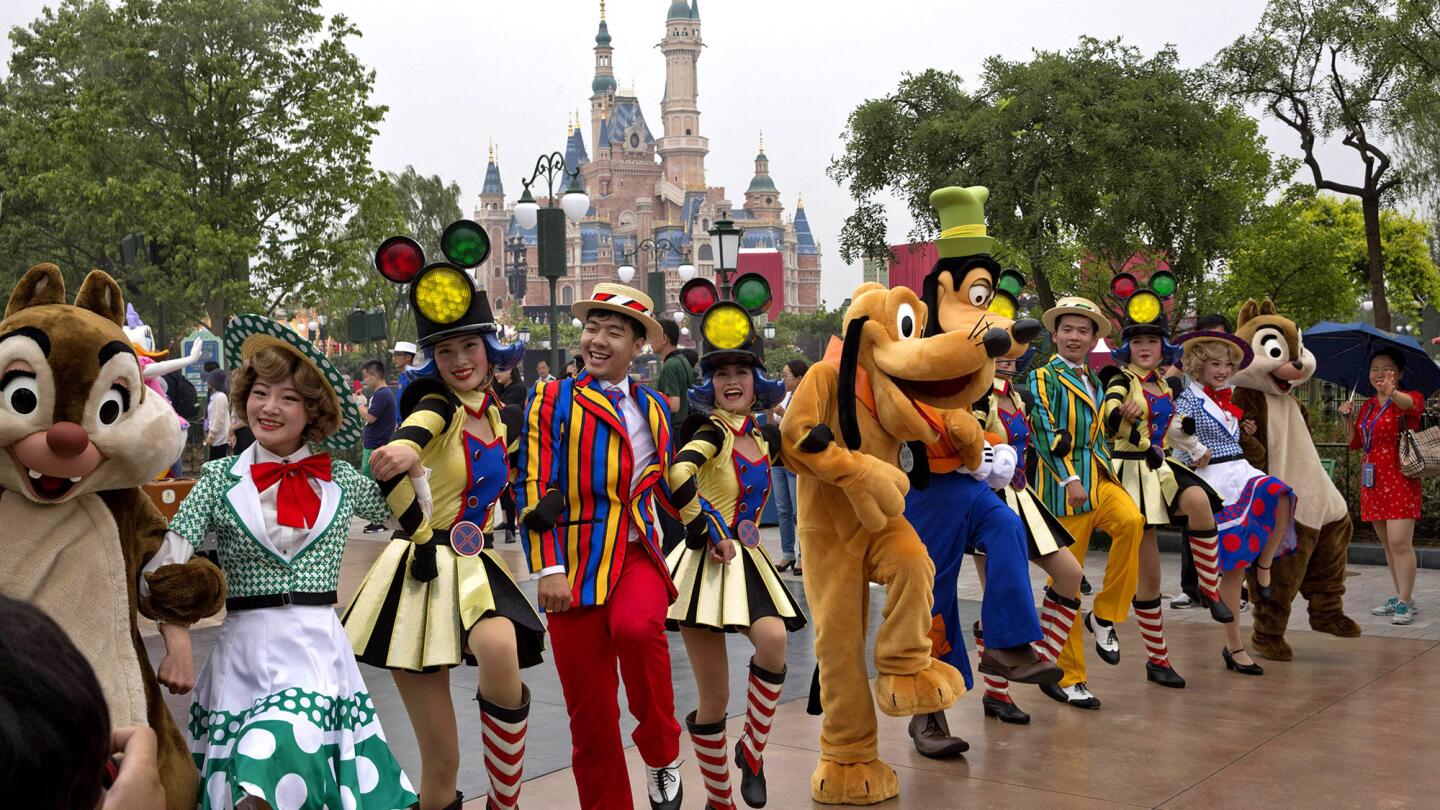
pixel 987 465
pixel 422 493
pixel 1004 468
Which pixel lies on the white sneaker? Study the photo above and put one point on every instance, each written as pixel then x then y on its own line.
pixel 1404 613
pixel 1183 602
pixel 663 785
pixel 1387 609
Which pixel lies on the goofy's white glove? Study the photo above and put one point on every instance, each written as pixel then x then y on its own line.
pixel 1004 467
pixel 987 465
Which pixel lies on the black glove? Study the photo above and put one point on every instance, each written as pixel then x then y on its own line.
pixel 697 533
pixel 771 434
pixel 546 512
pixel 1154 457
pixel 1187 425
pixel 819 438
pixel 422 562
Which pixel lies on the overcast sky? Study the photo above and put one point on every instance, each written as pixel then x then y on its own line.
pixel 458 74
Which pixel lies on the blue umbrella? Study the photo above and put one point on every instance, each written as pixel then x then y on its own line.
pixel 1343 351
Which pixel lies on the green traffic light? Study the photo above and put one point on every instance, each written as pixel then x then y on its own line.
pixel 465 243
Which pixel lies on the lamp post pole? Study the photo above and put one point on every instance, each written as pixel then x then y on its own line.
pixel 656 248
pixel 549 223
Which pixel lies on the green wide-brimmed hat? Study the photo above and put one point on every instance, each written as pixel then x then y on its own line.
pixel 962 221
pixel 248 333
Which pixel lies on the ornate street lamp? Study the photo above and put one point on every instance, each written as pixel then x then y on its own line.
pixel 725 242
pixel 654 282
pixel 550 224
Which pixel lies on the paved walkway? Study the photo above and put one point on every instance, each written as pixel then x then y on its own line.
pixel 1349 723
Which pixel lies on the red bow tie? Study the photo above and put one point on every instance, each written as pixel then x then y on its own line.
pixel 296 503
pixel 1222 398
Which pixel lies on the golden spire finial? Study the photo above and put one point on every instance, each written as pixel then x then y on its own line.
pixel 762 140
pixel 799 200
pixel 569 124
pixel 602 10
pixel 492 151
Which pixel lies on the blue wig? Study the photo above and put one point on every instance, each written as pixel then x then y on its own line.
pixel 768 392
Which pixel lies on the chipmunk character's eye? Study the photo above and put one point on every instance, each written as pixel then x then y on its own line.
pixel 114 404
pixel 905 323
pixel 1272 345
pixel 20 392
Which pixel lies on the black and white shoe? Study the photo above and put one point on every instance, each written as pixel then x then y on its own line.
pixel 663 785
pixel 1076 695
pixel 1107 642
pixel 372 528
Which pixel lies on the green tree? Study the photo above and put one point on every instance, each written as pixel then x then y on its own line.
pixel 1096 152
pixel 1356 69
pixel 235 134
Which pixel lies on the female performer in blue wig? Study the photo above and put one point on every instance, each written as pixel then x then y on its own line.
pixel 721 480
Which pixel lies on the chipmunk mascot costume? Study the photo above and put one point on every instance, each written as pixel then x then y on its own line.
pixel 1283 447
pixel 847 435
pixel 953 505
pixel 83 433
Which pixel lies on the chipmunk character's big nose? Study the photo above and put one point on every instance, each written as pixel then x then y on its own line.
pixel 67 439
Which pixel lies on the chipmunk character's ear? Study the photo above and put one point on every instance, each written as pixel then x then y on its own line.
pixel 41 285
pixel 101 295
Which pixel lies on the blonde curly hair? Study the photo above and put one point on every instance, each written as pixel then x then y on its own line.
pixel 274 363
pixel 1200 351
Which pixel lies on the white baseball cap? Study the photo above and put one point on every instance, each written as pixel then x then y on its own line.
pixel 405 346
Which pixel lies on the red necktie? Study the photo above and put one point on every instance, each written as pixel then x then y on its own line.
pixel 296 503
pixel 1222 398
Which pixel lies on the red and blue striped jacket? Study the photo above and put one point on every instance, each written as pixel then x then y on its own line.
pixel 573 441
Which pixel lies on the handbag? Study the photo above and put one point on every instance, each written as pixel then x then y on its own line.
pixel 1420 450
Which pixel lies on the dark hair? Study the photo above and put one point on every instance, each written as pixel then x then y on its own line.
pixel 210 365
pixel 1389 351
pixel 797 368
pixel 1213 323
pixel 375 367
pixel 672 332
pixel 54 724
pixel 606 314
pixel 691 356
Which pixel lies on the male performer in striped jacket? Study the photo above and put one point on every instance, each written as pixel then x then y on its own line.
pixel 594 453
pixel 1075 482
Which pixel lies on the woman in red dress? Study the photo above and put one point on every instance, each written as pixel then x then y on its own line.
pixel 1389 500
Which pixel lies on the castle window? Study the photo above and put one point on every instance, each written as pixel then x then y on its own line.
pixel 567 296
pixel 769 200
pixel 687 131
pixel 705 252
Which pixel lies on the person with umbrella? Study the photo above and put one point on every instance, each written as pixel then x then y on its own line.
pixel 1389 500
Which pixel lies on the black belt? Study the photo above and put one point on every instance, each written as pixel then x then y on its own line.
pixel 1223 459
pixel 1128 455
pixel 270 600
pixel 441 537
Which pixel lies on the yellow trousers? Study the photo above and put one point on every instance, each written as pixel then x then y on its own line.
pixel 1113 511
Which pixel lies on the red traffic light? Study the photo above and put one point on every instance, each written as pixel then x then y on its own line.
pixel 698 295
pixel 1124 285
pixel 399 258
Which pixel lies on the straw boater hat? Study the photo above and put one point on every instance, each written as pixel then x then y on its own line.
pixel 1076 305
pixel 1240 351
pixel 248 334
pixel 624 300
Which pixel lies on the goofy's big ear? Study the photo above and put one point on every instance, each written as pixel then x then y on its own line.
pixel 101 295
pixel 39 286
pixel 1248 310
pixel 849 362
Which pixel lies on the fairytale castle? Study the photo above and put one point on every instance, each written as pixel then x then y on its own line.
pixel 643 187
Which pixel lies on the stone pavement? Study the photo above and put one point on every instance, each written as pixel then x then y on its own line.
pixel 1348 723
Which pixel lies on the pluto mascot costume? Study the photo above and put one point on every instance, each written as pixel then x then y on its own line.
pixel 83 433
pixel 848 435
pixel 1282 447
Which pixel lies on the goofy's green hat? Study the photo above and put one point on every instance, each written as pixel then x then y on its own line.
pixel 962 221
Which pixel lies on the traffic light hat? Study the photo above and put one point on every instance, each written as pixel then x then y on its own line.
pixel 728 336
pixel 444 299
pixel 247 334
pixel 1142 312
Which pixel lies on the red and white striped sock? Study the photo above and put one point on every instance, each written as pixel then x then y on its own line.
pixel 1057 616
pixel 503 732
pixel 998 688
pixel 710 753
pixel 1152 629
pixel 762 696
pixel 1205 549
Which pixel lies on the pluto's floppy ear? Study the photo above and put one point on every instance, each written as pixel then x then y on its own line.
pixel 1248 310
pixel 39 286
pixel 849 363
pixel 101 295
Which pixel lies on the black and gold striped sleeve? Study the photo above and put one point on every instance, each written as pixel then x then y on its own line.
pixel 702 447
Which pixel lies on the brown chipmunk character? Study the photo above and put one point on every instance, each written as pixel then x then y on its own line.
pixel 1282 446
pixel 81 433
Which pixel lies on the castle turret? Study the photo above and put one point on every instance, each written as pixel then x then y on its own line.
pixel 762 199
pixel 682 149
pixel 602 87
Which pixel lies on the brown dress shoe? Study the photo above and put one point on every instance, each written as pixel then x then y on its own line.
pixel 932 737
pixel 1019 664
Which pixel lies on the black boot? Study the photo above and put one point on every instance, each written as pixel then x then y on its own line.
pixel 1007 711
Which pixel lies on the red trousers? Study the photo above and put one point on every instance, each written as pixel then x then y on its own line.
pixel 587 643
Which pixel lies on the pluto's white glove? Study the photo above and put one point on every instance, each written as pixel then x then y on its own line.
pixel 1004 467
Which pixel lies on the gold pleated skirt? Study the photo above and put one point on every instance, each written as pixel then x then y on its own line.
pixel 1155 491
pixel 397 622
pixel 728 598
pixel 1043 532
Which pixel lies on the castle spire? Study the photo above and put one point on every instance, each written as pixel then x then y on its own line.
pixel 762 140
pixel 602 11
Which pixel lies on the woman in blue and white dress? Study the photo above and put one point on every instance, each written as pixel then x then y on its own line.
pixel 1257 523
